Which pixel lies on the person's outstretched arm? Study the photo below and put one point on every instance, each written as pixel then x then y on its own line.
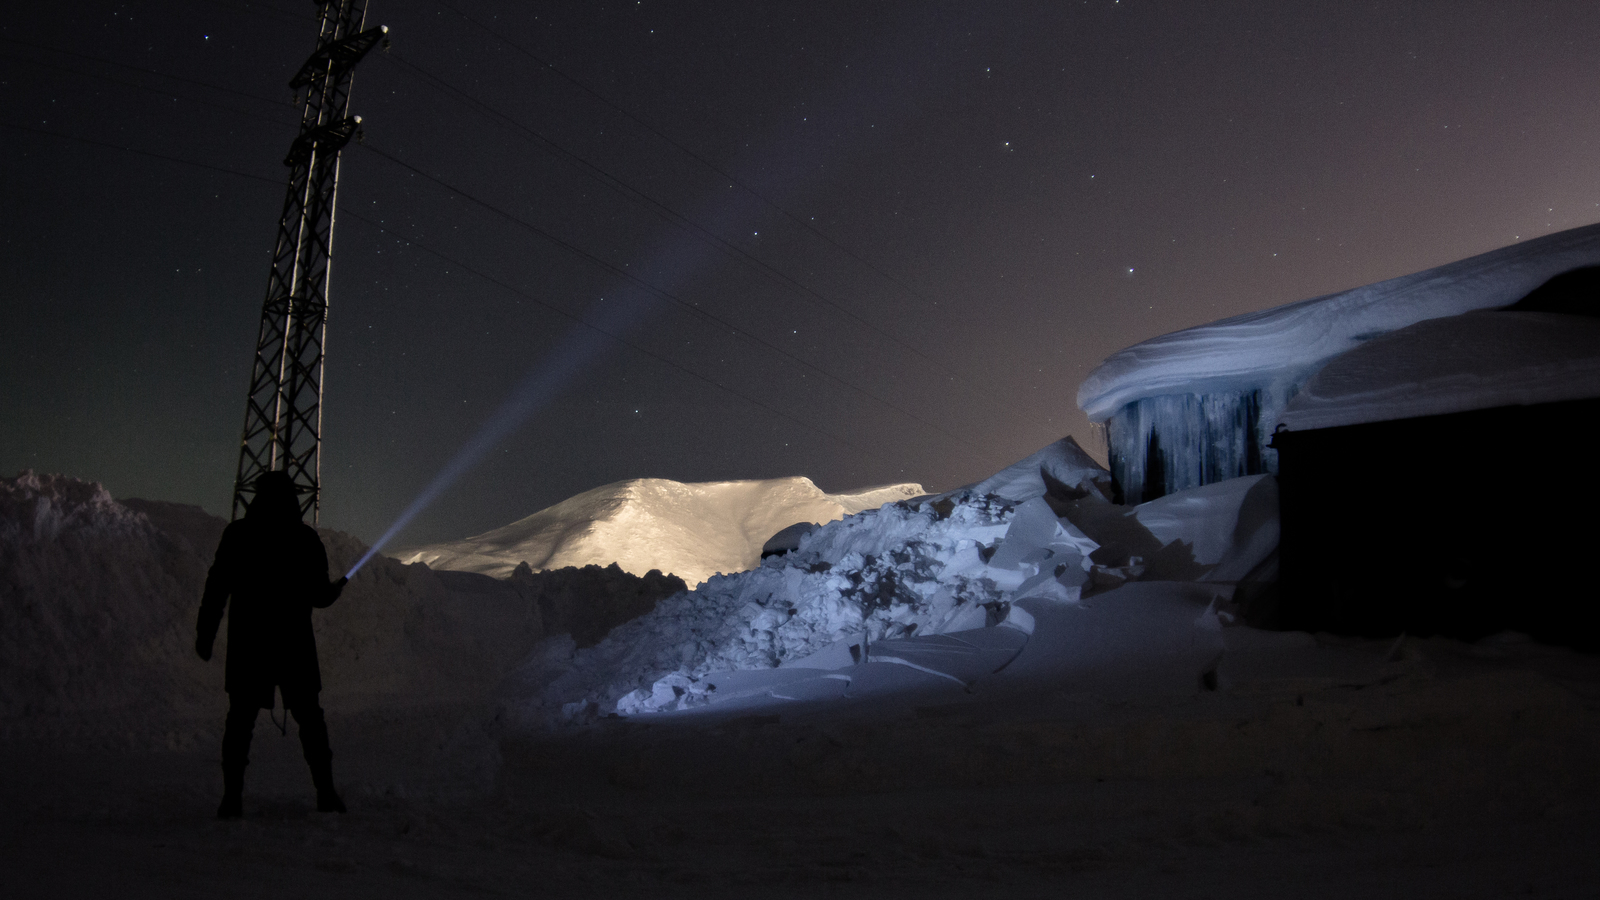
pixel 334 589
pixel 319 564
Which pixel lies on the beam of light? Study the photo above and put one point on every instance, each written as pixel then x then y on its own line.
pixel 581 348
pixel 678 260
pixel 677 263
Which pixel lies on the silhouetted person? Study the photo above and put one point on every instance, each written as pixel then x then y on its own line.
pixel 275 568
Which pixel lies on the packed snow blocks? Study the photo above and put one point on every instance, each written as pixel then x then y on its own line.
pixel 1379 410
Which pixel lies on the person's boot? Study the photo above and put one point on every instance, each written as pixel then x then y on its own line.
pixel 322 777
pixel 314 743
pixel 232 792
pixel 327 798
pixel 235 756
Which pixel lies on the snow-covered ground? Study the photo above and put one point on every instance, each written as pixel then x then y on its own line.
pixel 693 531
pixel 1072 711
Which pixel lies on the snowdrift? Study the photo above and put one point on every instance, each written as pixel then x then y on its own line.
pixel 1282 346
pixel 935 594
pixel 97 613
pixel 693 531
pixel 1031 574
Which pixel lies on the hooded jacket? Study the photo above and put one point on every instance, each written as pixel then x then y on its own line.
pixel 275 570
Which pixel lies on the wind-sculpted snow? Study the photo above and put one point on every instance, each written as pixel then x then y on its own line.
pixel 1474 361
pixel 877 586
pixel 877 575
pixel 100 596
pixel 1277 349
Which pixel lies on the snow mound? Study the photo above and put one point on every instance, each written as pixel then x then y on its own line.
pixel 98 600
pixel 694 531
pixel 1063 468
pixel 943 588
pixel 1280 347
pixel 97 607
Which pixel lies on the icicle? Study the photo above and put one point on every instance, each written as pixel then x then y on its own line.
pixel 1158 445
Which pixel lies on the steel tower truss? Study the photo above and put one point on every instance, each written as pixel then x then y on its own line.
pixel 283 413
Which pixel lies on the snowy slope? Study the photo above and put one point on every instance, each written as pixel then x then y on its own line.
pixel 693 531
pixel 1280 347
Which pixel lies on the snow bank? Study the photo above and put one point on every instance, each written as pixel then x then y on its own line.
pixel 693 531
pixel 1276 348
pixel 936 593
pixel 1475 361
pixel 98 600
pixel 941 588
pixel 97 606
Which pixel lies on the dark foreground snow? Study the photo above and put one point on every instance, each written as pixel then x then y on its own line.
pixel 1269 764
pixel 1450 771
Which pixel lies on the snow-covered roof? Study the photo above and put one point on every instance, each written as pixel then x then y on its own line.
pixel 1479 360
pixel 1288 343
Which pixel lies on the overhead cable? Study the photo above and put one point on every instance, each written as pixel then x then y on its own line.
pixel 641 122
pixel 628 191
pixel 579 320
pixel 652 289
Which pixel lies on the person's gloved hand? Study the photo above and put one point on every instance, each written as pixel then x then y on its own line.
pixel 202 646
pixel 338 586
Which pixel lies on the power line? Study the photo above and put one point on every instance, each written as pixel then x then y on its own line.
pixel 578 320
pixel 687 151
pixel 188 162
pixel 486 277
pixel 604 176
pixel 628 191
pixel 264 9
pixel 657 291
pixel 615 270
pixel 558 241
pixel 492 280
pixel 98 59
pixel 164 93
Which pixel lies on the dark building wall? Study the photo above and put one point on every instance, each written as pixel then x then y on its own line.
pixel 1462 525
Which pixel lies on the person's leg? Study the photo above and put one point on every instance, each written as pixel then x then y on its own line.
pixel 236 732
pixel 314 743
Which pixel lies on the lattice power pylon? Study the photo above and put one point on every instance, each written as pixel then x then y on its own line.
pixel 283 414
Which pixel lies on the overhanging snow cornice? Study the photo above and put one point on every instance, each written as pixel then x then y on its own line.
pixel 1287 343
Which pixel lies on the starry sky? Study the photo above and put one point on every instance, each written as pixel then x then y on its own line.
pixel 861 242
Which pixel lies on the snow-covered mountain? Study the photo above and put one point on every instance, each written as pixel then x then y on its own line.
pixel 693 531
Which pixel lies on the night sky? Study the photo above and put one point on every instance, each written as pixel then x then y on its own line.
pixel 882 241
